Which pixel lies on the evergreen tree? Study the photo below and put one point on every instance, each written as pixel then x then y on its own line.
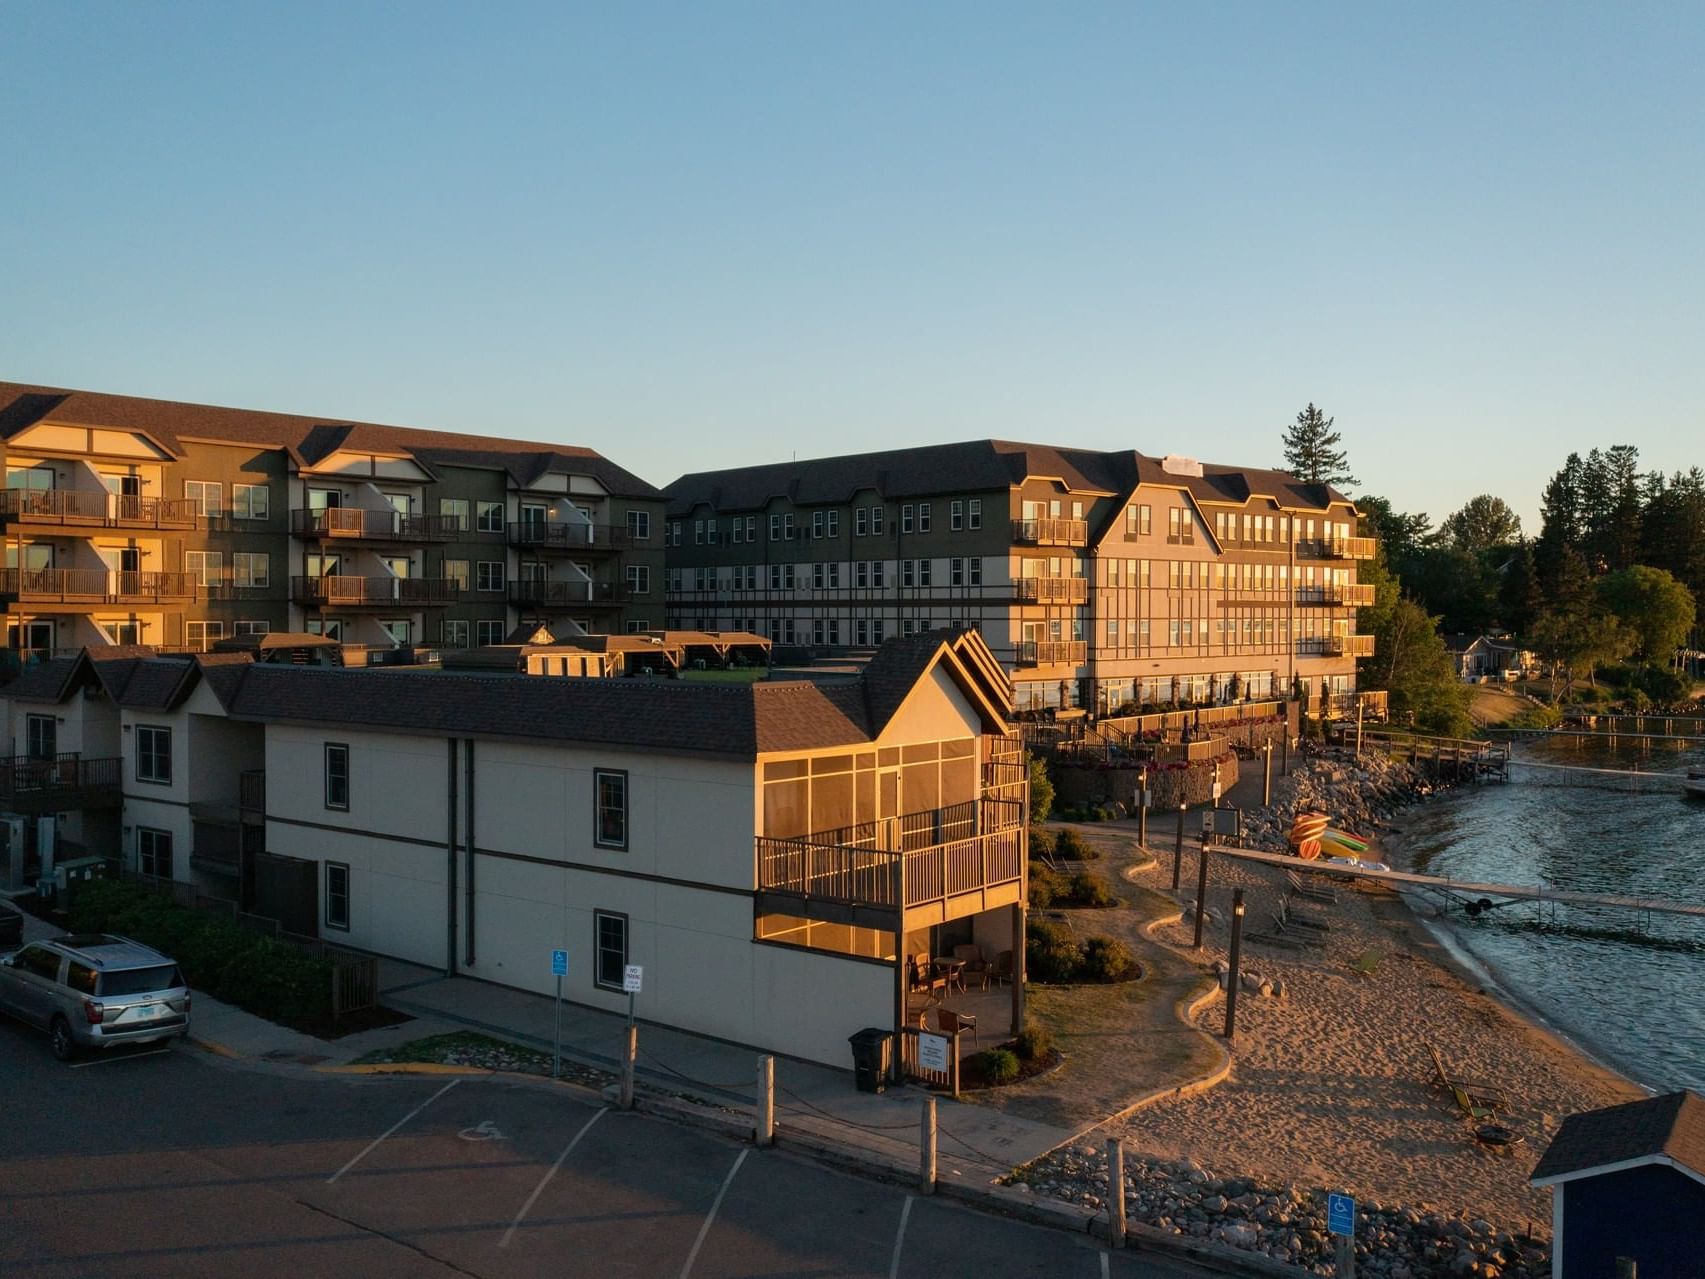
pixel 1311 450
pixel 1672 530
pixel 1560 522
pixel 1519 599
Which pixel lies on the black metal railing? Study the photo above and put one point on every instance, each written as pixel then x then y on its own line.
pixel 345 592
pixel 360 524
pixel 568 535
pixel 537 593
pixel 67 781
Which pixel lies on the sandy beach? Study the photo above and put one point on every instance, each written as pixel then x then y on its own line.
pixel 1332 1084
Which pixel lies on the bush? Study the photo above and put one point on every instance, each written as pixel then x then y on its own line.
pixel 998 1065
pixel 1084 889
pixel 1041 790
pixel 258 974
pixel 1051 953
pixel 1070 846
pixel 1107 959
pixel 1045 886
pixel 1041 842
pixel 1034 1043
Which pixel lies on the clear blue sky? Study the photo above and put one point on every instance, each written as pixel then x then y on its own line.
pixel 713 234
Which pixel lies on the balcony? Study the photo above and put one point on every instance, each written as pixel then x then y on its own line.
pixel 567 594
pixel 564 535
pixel 1336 646
pixel 374 592
pixel 358 524
pixel 95 586
pixel 1341 595
pixel 96 508
pixel 60 784
pixel 1052 652
pixel 1335 548
pixel 1051 590
pixel 910 871
pixel 1051 532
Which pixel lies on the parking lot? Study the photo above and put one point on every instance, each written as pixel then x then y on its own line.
pixel 182 1164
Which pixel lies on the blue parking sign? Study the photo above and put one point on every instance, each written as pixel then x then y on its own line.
pixel 559 963
pixel 1340 1214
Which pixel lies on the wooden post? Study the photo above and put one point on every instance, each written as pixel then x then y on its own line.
pixel 765 1131
pixel 953 1064
pixel 1267 774
pixel 1115 1193
pixel 1232 976
pixel 1143 809
pixel 1344 1256
pixel 926 1148
pixel 1201 893
pixel 1178 851
pixel 630 1050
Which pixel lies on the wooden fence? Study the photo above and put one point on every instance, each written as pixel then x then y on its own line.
pixel 911 1067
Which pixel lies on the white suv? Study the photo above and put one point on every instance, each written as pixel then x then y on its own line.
pixel 95 991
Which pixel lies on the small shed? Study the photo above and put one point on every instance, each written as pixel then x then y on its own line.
pixel 1629 1181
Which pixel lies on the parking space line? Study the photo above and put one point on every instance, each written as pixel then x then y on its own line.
pixel 373 1145
pixel 546 1179
pixel 716 1203
pixel 900 1237
pixel 103 1061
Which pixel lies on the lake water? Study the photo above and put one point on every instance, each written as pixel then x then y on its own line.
pixel 1629 988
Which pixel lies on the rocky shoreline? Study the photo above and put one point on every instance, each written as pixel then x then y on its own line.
pixel 1360 793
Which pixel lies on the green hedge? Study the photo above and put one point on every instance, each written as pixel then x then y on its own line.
pixel 256 973
pixel 1053 954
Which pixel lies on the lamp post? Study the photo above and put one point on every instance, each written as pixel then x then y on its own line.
pixel 1178 850
pixel 1267 773
pixel 1232 975
pixel 1143 808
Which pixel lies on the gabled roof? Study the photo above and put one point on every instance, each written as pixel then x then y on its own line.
pixel 158 684
pixel 309 439
pixel 57 678
pixel 1664 1130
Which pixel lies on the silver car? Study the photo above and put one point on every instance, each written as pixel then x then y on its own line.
pixel 95 991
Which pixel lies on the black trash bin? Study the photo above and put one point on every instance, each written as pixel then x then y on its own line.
pixel 873 1058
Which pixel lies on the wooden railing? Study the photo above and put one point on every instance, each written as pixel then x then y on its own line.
pixel 911 1067
pixel 1051 532
pixel 95 586
pixel 1051 652
pixel 567 535
pixel 1051 590
pixel 1337 595
pixel 332 591
pixel 1335 548
pixel 65 782
pixel 359 523
pixel 97 507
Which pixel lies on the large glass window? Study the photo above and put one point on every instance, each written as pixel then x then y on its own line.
pixel 206 495
pixel 490 517
pixel 610 793
pixel 153 754
pixel 251 501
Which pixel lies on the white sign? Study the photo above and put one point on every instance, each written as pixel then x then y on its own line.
pixel 632 976
pixel 932 1052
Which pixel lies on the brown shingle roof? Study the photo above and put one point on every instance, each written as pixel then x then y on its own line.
pixel 158 684
pixel 1672 1125
pixel 170 422
pixel 48 681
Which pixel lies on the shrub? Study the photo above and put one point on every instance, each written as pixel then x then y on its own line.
pixel 1084 889
pixel 1041 790
pixel 1034 1043
pixel 1041 842
pixel 1045 886
pixel 1070 846
pixel 1051 953
pixel 1105 814
pixel 1107 959
pixel 998 1065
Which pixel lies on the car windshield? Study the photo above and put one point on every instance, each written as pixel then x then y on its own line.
pixel 139 981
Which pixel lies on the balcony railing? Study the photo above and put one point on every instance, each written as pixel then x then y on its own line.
pixel 901 862
pixel 566 535
pixel 360 524
pixel 1335 548
pixel 1336 646
pixel 1051 532
pixel 1337 595
pixel 96 508
pixel 566 594
pixel 60 784
pixel 95 586
pixel 1051 590
pixel 1052 652
pixel 361 592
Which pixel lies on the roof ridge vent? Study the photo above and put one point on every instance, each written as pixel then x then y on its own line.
pixel 1177 464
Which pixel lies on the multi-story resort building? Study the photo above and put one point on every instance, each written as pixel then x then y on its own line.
pixel 138 521
pixel 1099 579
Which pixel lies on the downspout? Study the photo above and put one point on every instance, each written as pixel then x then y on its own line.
pixel 468 810
pixel 450 848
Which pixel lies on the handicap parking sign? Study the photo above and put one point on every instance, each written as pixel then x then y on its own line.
pixel 1340 1214
pixel 559 963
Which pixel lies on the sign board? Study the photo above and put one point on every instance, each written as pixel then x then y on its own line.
pixel 559 963
pixel 1207 821
pixel 1340 1214
pixel 632 976
pixel 1216 790
pixel 1145 797
pixel 932 1052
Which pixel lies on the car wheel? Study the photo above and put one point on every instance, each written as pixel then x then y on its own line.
pixel 59 1039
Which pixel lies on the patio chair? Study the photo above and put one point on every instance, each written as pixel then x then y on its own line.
pixel 1300 887
pixel 1001 969
pixel 976 967
pixel 1469 1095
pixel 1296 919
pixel 948 1022
pixel 925 977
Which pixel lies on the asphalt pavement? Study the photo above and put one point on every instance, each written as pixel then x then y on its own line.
pixel 177 1162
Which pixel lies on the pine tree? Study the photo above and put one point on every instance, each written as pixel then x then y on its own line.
pixel 1311 450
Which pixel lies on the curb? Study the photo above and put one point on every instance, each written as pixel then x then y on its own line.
pixel 217 1049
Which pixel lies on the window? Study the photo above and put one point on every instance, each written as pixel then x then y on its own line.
pixel 488 575
pixel 252 628
pixel 736 530
pixel 834 575
pixel 455 633
pixel 956 515
pixel 775 528
pixel 200 635
pixel 817 576
pixel 488 631
pixel 908 575
pixel 454 513
pixel 787 527
pixel 456 572
pixel 337 776
pixel 860 522
pixel 337 895
pixel 698 532
pixel 639 579
pixel 206 495
pixel 861 573
pixel 974 516
pixel 710 531
pixel 876 517
pixel 639 525
pixel 672 535
pixel 974 566
pixel 924 567
pixel 610 940
pixel 818 523
pixel 956 572
pixel 206 567
pixel 42 736
pixel 154 852
pixel 153 754
pixel 610 796
pixel 251 501
pixel 751 528
pixel 251 568
pixel 834 523
pixel 906 518
pixel 876 573
pixel 488 517
pixel 923 517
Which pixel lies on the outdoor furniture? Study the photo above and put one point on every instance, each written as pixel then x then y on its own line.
pixel 925 977
pixel 1289 919
pixel 952 971
pixel 1468 1095
pixel 949 1022
pixel 975 967
pixel 1300 887
pixel 1001 970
